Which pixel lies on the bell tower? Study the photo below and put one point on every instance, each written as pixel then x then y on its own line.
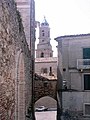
pixel 44 48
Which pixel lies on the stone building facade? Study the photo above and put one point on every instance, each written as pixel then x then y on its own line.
pixel 74 76
pixel 15 62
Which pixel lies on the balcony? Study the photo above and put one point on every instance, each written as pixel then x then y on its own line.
pixel 83 63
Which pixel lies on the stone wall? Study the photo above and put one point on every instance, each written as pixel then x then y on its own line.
pixel 15 78
pixel 44 87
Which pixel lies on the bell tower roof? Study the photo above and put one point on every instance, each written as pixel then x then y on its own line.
pixel 44 23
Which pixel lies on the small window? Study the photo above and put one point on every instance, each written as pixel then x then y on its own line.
pixel 42 40
pixel 86 53
pixel 42 54
pixel 43 34
pixel 50 54
pixel 86 81
pixel 86 109
pixel 44 70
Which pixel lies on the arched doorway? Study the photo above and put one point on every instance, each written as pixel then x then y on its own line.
pixel 51 112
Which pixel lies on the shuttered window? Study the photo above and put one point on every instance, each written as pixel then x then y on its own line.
pixel 86 53
pixel 87 82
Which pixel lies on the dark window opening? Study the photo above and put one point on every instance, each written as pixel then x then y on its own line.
pixel 42 54
pixel 86 55
pixel 87 82
pixel 64 69
pixel 42 40
pixel 50 54
pixel 44 70
pixel 43 34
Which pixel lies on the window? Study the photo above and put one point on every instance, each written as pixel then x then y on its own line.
pixel 44 70
pixel 86 109
pixel 42 54
pixel 42 40
pixel 43 34
pixel 86 55
pixel 86 81
pixel 50 54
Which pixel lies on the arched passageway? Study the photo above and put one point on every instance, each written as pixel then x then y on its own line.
pixel 47 102
pixel 44 87
pixel 51 113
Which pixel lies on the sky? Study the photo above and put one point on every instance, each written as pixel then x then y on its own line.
pixel 65 17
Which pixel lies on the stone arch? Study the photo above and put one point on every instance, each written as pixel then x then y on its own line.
pixel 46 101
pixel 44 87
pixel 20 86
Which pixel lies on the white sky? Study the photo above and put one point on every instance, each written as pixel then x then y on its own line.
pixel 65 17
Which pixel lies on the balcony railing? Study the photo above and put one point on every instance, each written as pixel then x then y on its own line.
pixel 83 63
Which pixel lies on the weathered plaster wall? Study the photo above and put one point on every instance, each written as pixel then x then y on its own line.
pixel 74 98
